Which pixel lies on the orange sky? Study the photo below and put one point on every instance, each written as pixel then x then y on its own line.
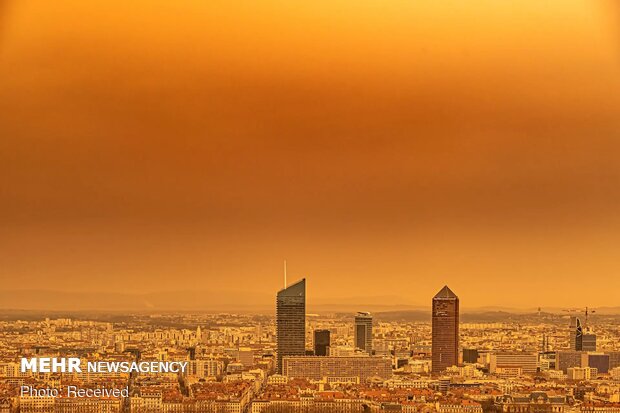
pixel 382 147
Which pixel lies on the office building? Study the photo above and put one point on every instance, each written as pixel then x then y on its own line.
pixel 547 360
pixel 356 368
pixel 470 355
pixel 321 342
pixel 528 363
pixel 445 330
pixel 291 322
pixel 568 359
pixel 576 334
pixel 599 361
pixel 580 338
pixel 581 373
pixel 588 342
pixel 363 332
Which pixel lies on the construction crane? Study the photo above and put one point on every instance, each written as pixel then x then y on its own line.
pixel 586 312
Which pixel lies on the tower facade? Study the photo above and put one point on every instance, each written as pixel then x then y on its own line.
pixel 321 342
pixel 581 337
pixel 576 334
pixel 291 322
pixel 588 342
pixel 363 332
pixel 445 335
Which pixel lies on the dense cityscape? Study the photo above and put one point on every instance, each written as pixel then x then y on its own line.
pixel 337 362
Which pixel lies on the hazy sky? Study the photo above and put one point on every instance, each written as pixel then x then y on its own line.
pixel 381 147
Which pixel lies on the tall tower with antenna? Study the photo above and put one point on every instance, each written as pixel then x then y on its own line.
pixel 291 322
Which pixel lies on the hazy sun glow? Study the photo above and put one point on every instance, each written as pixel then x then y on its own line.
pixel 382 147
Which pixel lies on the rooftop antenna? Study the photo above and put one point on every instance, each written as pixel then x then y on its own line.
pixel 284 273
pixel 589 311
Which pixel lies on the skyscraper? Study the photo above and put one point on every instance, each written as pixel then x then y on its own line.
pixel 576 334
pixel 291 322
pixel 581 337
pixel 588 342
pixel 445 333
pixel 321 342
pixel 363 332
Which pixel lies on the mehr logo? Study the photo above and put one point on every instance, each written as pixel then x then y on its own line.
pixel 51 365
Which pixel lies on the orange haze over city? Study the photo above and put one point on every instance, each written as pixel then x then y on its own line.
pixel 383 148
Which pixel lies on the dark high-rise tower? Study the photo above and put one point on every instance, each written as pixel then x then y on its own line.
pixel 445 330
pixel 588 342
pixel 321 342
pixel 291 322
pixel 363 332
pixel 581 337
pixel 576 334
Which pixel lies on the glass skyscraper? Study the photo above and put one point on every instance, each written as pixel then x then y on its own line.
pixel 576 335
pixel 363 332
pixel 291 322
pixel 321 342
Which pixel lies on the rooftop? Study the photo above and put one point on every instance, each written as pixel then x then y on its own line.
pixel 445 292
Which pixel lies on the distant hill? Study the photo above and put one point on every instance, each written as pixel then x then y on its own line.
pixel 388 308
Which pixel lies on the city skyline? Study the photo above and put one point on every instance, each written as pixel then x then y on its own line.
pixel 230 365
pixel 269 358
